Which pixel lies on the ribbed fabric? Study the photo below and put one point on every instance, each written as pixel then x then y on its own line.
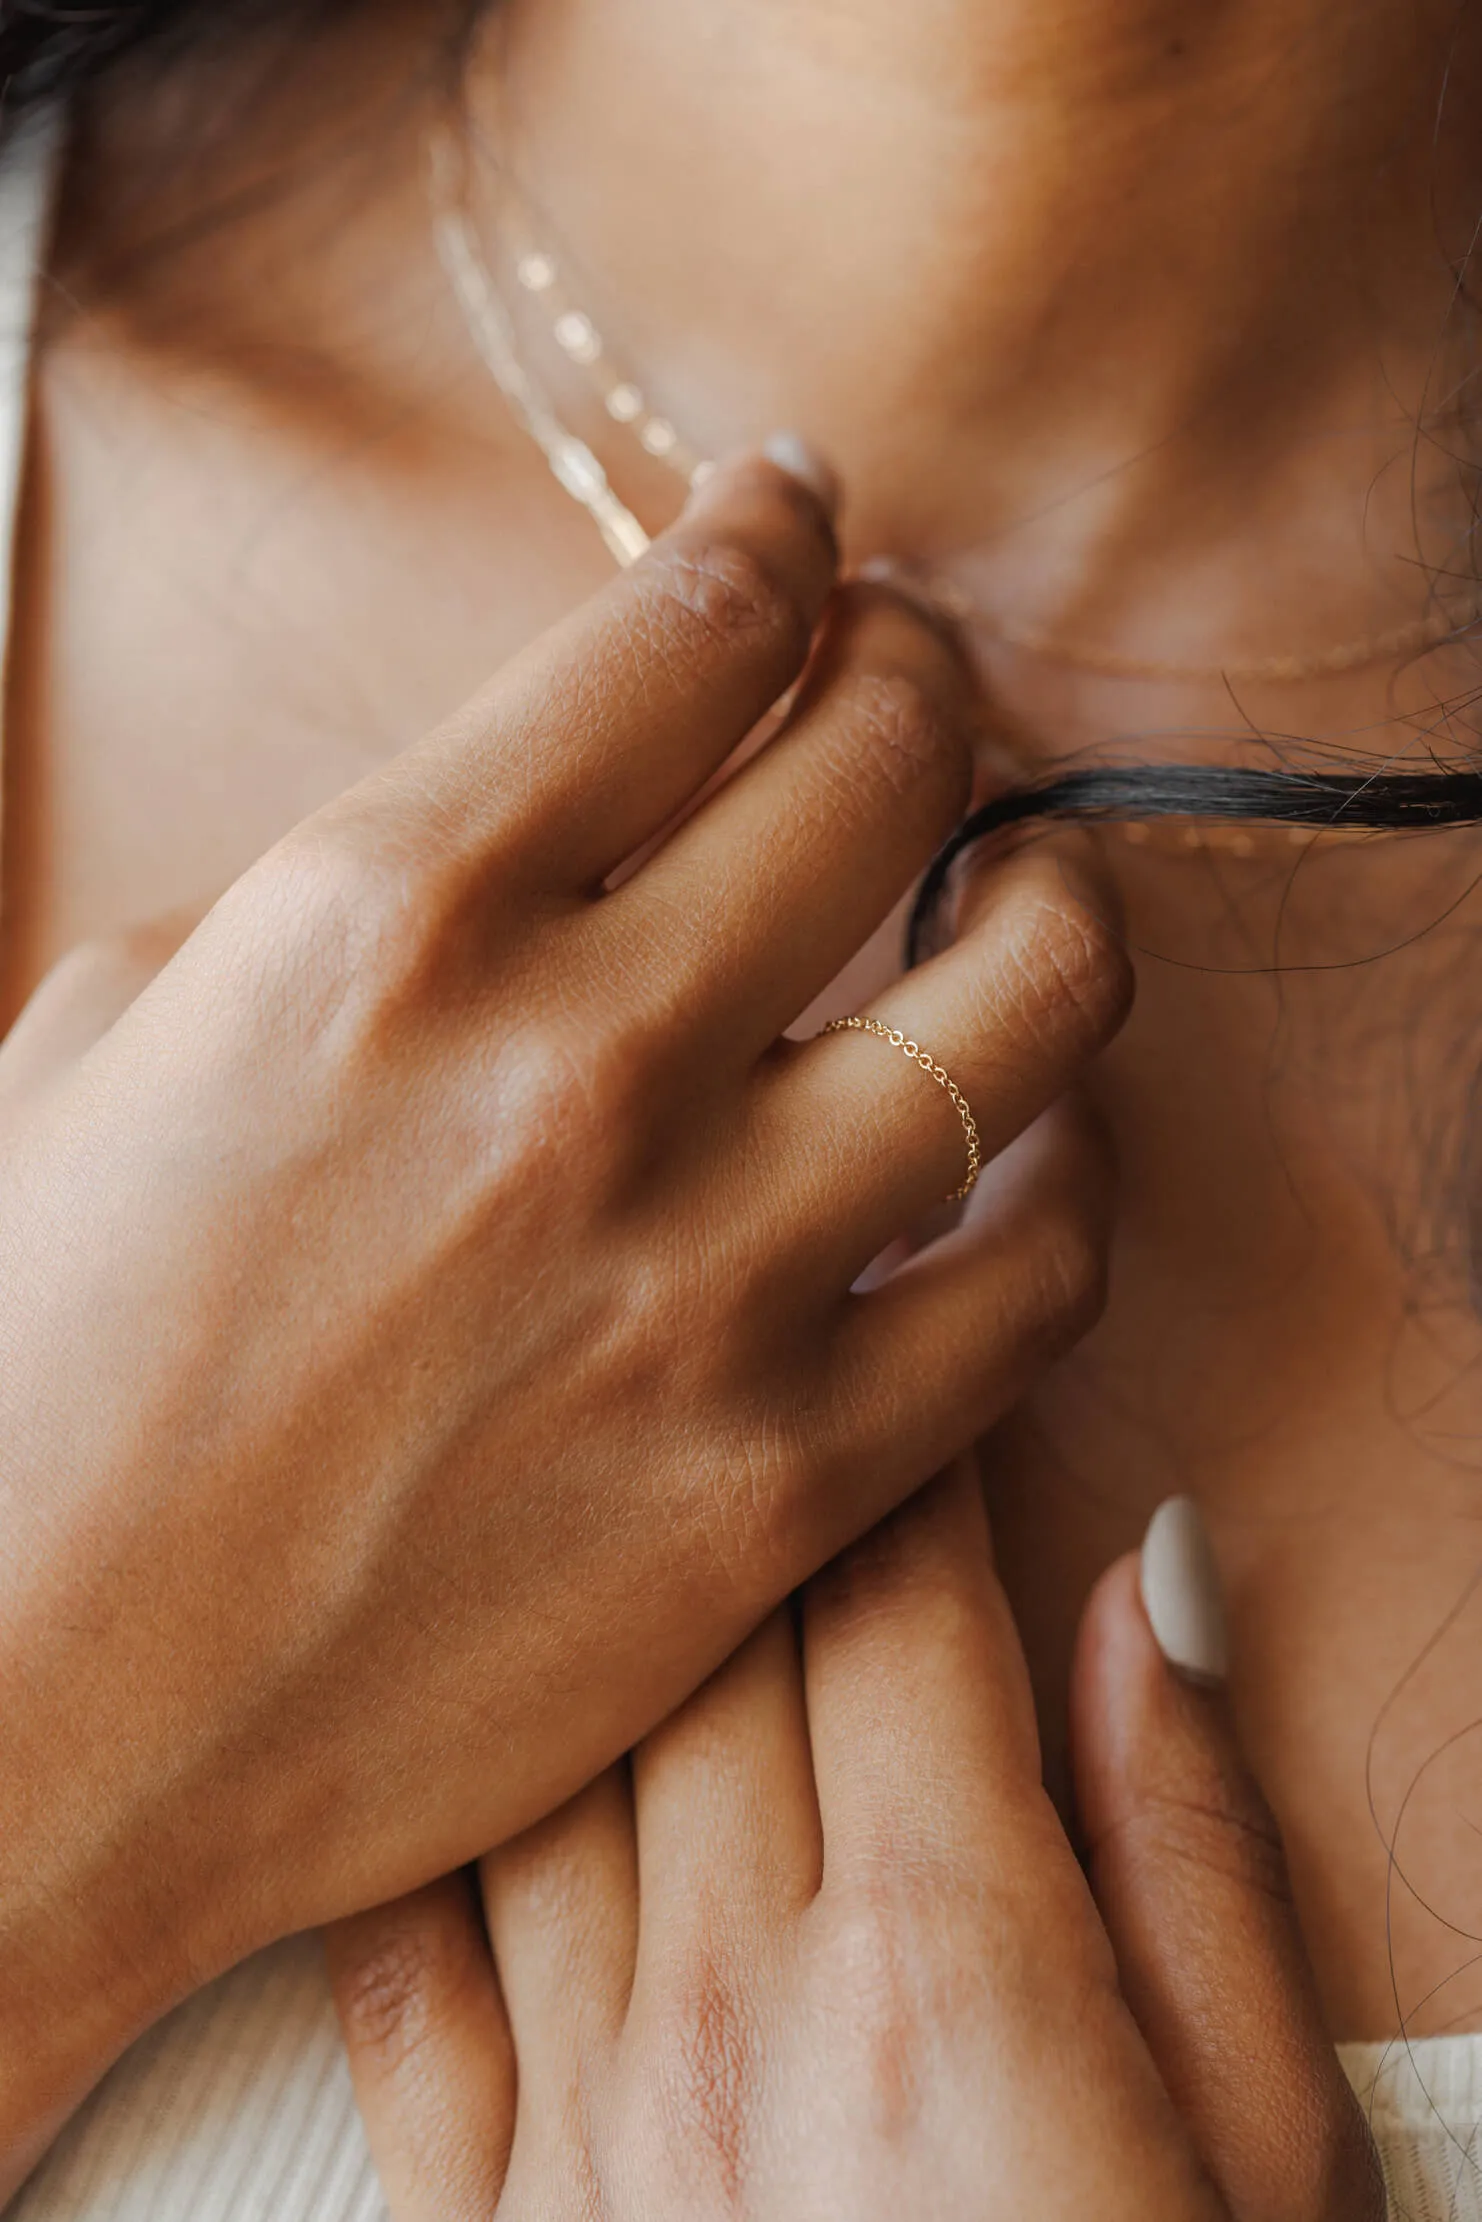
pixel 27 167
pixel 1424 2104
pixel 238 2108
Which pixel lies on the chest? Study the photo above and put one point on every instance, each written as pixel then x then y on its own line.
pixel 227 613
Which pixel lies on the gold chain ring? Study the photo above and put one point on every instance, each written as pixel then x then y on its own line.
pixel 936 1072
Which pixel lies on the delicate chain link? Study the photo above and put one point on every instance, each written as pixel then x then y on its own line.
pixel 539 275
pixel 571 462
pixel 936 1072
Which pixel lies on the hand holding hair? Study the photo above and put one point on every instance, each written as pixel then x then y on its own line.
pixel 431 1340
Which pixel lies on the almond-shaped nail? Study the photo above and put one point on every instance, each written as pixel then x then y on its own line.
pixel 1181 1593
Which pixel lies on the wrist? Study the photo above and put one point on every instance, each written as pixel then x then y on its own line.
pixel 75 1989
pixel 100 1925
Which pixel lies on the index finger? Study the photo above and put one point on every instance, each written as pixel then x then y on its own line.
pixel 591 739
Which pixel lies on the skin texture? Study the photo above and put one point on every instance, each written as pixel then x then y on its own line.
pixel 372 1609
pixel 1159 370
pixel 824 1951
pixel 1131 314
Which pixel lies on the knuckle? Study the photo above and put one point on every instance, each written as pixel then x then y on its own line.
pixel 873 1984
pixel 706 2062
pixel 393 1995
pixel 708 599
pixel 859 1932
pixel 1068 968
pixel 893 1584
pixel 348 924
pixel 325 876
pixel 1214 1828
pixel 576 1089
pixel 346 906
pixel 905 731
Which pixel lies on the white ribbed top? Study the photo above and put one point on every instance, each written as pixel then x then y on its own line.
pixel 238 2108
pixel 1424 2104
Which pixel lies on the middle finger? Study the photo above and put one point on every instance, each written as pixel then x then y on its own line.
pixel 755 904
pixel 920 1712
pixel 728 1830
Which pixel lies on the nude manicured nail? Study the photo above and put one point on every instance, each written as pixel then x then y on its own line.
pixel 802 461
pixel 1181 1592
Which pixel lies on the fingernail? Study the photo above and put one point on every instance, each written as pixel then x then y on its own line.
pixel 1181 1592
pixel 802 461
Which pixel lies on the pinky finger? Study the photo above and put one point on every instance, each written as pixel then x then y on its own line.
pixel 430 2051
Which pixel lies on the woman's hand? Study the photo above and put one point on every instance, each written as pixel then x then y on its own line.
pixel 824 1953
pixel 428 1341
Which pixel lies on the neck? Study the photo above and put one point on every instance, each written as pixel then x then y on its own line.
pixel 1147 328
pixel 1133 320
pixel 1145 318
pixel 1128 324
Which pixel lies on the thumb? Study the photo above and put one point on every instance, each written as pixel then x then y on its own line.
pixel 1188 1871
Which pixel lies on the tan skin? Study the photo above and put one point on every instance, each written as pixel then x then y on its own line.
pixel 194 675
pixel 377 1605
pixel 824 1951
pixel 133 796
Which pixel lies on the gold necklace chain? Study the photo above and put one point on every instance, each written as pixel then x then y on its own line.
pixel 574 464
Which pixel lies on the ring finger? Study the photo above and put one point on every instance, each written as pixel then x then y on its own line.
pixel 1009 1015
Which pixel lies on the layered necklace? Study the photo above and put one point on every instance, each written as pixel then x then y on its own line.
pixel 540 280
